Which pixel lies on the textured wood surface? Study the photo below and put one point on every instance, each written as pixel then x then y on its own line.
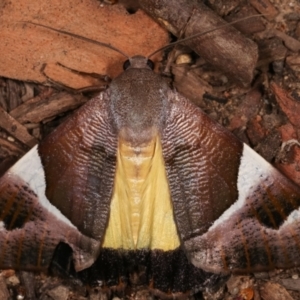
pixel 26 49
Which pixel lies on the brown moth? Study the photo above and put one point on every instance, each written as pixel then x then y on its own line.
pixel 140 180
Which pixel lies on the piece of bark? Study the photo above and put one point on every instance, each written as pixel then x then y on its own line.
pixel 75 80
pixel 291 284
pixel 11 148
pixel 293 61
pixel 28 281
pixel 286 102
pixel 297 31
pixel 265 7
pixel 247 109
pixel 268 148
pixel 256 294
pixel 223 7
pixel 270 50
pixel 59 293
pixel 15 129
pixel 38 110
pixel 26 48
pixel 274 291
pixel 256 132
pixel 22 109
pixel 290 42
pixel 4 293
pixel 288 132
pixel 225 48
pixel 248 26
pixel 10 93
pixel 288 160
pixel 189 84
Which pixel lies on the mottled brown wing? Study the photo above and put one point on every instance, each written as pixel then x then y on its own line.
pixel 234 211
pixel 79 159
pixel 60 192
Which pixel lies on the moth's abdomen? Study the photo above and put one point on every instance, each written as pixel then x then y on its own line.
pixel 141 212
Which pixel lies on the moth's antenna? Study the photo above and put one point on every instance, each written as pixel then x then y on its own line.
pixel 202 33
pixel 80 37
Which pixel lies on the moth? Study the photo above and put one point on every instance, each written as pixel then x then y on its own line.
pixel 140 181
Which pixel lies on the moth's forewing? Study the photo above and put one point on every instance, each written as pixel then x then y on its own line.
pixel 234 211
pixel 60 192
pixel 79 160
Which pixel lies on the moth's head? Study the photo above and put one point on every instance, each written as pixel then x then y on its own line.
pixel 138 62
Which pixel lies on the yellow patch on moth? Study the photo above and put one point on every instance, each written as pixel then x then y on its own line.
pixel 141 212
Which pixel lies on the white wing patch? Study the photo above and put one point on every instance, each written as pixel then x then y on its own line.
pixel 293 216
pixel 2 225
pixel 30 169
pixel 253 168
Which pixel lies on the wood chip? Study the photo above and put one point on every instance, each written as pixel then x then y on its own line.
pixel 4 294
pixel 247 109
pixel 287 132
pixel 288 160
pixel 291 284
pixel 248 26
pixel 287 103
pixel 189 84
pixel 66 77
pixel 290 42
pixel 37 109
pixel 256 132
pixel 293 61
pixel 59 293
pixel 11 148
pixel 17 130
pixel 270 50
pixel 265 7
pixel 274 291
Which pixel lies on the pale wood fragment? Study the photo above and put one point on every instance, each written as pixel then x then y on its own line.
pixel 11 148
pixel 274 291
pixel 4 294
pixel 35 111
pixel 66 77
pixel 15 129
pixel 265 7
pixel 189 84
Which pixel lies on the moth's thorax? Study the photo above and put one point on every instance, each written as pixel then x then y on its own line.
pixel 138 103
